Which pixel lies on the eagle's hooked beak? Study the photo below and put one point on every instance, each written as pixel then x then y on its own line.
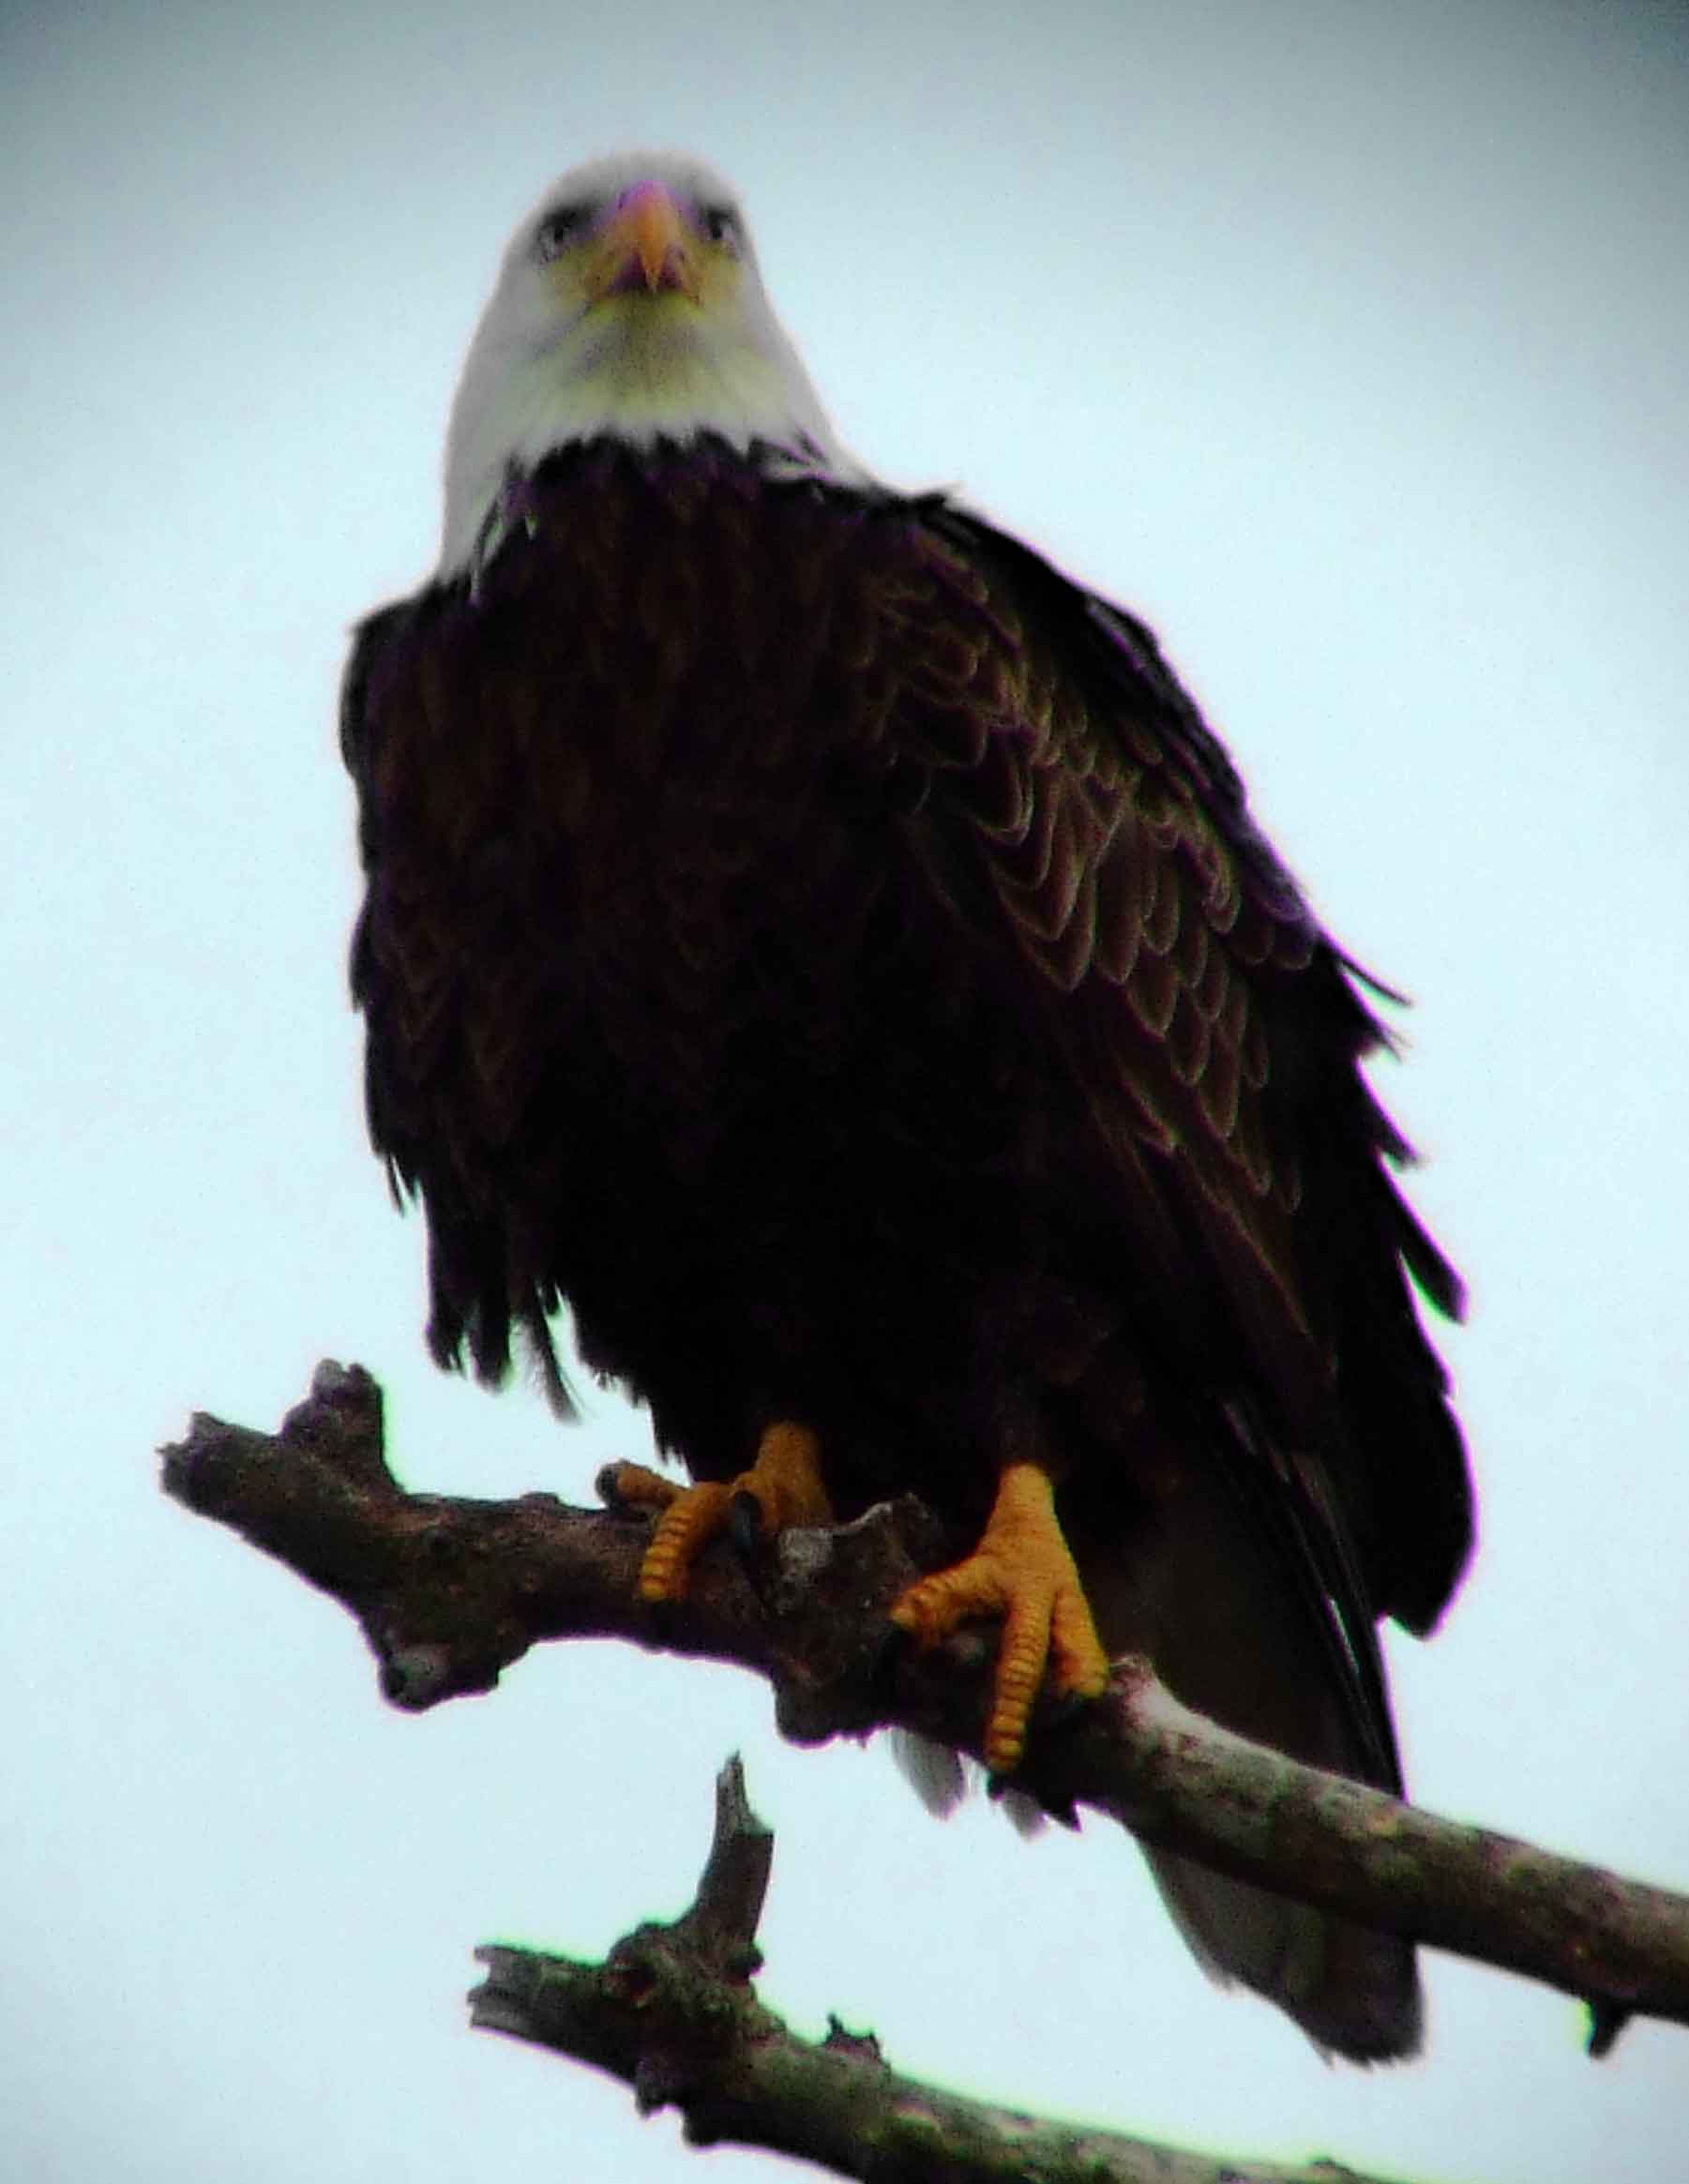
pixel 647 242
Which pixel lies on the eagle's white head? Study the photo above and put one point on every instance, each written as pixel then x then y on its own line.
pixel 628 304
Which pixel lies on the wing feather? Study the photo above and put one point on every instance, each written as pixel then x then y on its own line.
pixel 1078 806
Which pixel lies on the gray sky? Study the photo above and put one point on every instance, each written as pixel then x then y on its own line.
pixel 1346 341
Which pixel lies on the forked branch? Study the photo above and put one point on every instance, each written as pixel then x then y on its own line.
pixel 673 2012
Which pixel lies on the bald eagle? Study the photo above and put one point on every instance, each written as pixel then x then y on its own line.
pixel 823 946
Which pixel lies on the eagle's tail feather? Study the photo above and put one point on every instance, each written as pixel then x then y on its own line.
pixel 1355 1992
pixel 1204 1597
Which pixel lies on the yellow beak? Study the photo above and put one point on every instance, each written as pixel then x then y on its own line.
pixel 648 242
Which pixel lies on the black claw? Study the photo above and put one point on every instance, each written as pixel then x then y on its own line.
pixel 745 1530
pixel 607 1486
pixel 752 1548
pixel 664 1619
pixel 1066 1710
pixel 1059 1714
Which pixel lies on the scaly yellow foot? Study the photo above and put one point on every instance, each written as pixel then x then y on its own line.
pixel 785 1483
pixel 1022 1571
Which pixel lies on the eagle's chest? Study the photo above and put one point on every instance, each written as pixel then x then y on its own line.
pixel 664 910
pixel 698 907
pixel 679 857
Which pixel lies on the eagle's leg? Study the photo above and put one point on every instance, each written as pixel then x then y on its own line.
pixel 1023 1572
pixel 784 1482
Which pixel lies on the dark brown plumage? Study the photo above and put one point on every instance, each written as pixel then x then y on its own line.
pixel 824 947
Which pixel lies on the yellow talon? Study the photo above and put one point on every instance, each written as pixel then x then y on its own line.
pixel 636 1487
pixel 785 1481
pixel 1022 1571
pixel 691 1519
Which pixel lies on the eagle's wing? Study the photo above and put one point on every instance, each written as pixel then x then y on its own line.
pixel 410 972
pixel 1068 809
pixel 1077 818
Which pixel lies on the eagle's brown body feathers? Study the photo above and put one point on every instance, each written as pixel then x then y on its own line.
pixel 825 948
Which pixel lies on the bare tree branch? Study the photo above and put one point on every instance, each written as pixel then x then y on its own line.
pixel 672 2011
pixel 449 1592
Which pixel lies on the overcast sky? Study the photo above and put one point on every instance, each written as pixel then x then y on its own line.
pixel 1345 342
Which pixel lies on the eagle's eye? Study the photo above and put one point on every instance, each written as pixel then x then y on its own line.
pixel 719 224
pixel 558 230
